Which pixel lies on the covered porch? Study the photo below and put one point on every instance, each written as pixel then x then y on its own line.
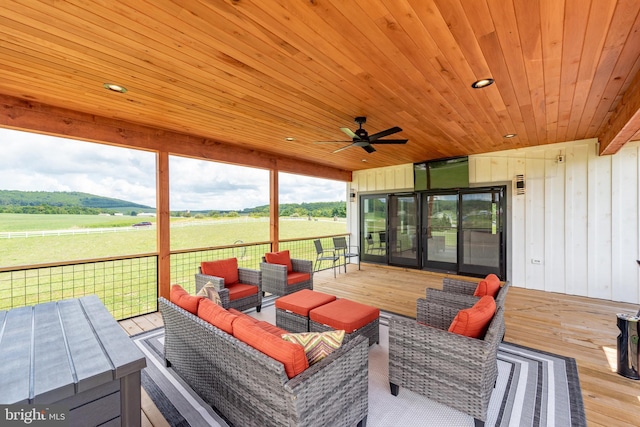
pixel 572 326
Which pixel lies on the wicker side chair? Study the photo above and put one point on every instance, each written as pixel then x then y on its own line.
pixel 459 293
pixel 246 277
pixel 276 278
pixel 452 369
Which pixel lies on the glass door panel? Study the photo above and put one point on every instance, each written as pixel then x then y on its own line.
pixel 373 238
pixel 402 244
pixel 482 232
pixel 440 231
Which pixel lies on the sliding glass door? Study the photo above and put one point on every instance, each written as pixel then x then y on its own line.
pixel 373 236
pixel 440 231
pixel 403 226
pixel 457 231
pixel 482 232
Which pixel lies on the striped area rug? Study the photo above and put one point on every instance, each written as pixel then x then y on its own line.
pixel 534 388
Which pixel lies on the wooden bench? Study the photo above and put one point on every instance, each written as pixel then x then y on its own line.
pixel 71 353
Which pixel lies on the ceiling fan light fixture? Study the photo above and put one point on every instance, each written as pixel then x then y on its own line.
pixel 510 135
pixel 113 87
pixel 479 84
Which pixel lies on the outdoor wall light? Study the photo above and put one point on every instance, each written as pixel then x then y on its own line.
pixel 482 83
pixel 114 87
pixel 352 195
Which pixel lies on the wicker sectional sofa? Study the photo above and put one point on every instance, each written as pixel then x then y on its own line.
pixel 249 388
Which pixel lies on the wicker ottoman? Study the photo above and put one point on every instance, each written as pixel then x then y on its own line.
pixel 353 317
pixel 292 311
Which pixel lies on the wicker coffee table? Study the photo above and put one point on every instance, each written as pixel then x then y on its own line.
pixel 292 311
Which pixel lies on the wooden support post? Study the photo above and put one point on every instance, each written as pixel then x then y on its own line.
pixel 274 224
pixel 163 224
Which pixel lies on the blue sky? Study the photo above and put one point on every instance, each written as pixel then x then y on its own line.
pixel 33 162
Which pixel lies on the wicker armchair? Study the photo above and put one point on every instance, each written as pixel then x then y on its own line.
pixel 452 369
pixel 277 278
pixel 246 277
pixel 459 293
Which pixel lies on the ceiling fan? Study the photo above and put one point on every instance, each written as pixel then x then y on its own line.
pixel 361 138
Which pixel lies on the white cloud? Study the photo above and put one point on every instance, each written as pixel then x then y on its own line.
pixel 33 162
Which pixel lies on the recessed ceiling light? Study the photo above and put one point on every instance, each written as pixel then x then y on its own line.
pixel 365 160
pixel 114 87
pixel 289 138
pixel 481 83
pixel 510 135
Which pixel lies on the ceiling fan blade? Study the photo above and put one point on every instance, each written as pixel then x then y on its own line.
pixel 343 148
pixel 389 131
pixel 368 148
pixel 390 141
pixel 349 133
pixel 329 142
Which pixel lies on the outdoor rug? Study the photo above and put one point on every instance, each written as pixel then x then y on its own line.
pixel 534 388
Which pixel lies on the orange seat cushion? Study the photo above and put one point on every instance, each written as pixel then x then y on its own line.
pixel 303 301
pixel 296 277
pixel 282 258
pixel 490 285
pixel 243 315
pixel 226 269
pixel 291 355
pixel 272 329
pixel 344 314
pixel 473 322
pixel 182 299
pixel 240 290
pixel 216 315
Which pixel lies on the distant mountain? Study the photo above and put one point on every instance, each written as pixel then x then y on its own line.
pixel 65 199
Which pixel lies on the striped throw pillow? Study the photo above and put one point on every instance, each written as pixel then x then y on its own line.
pixel 317 345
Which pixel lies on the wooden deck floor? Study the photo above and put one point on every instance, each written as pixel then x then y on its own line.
pixel 579 327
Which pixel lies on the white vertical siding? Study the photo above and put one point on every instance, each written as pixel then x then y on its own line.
pixel 578 218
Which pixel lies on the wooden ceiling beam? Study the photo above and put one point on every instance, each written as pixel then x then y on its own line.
pixel 624 122
pixel 36 117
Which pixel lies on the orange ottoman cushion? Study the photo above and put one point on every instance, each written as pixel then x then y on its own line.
pixel 344 314
pixel 303 301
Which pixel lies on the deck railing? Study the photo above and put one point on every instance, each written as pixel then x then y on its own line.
pixel 128 285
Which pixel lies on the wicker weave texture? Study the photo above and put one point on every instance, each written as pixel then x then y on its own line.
pixel 246 276
pixel 252 389
pixel 459 293
pixel 274 277
pixel 454 370
pixel 291 322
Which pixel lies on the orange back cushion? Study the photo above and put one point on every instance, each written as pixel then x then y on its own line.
pixel 216 315
pixel 182 299
pixel 291 355
pixel 490 285
pixel 227 269
pixel 282 258
pixel 473 322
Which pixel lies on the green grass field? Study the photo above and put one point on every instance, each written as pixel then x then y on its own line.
pixel 186 233
pixel 127 287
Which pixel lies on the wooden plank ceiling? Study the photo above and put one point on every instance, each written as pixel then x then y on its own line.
pixel 252 73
